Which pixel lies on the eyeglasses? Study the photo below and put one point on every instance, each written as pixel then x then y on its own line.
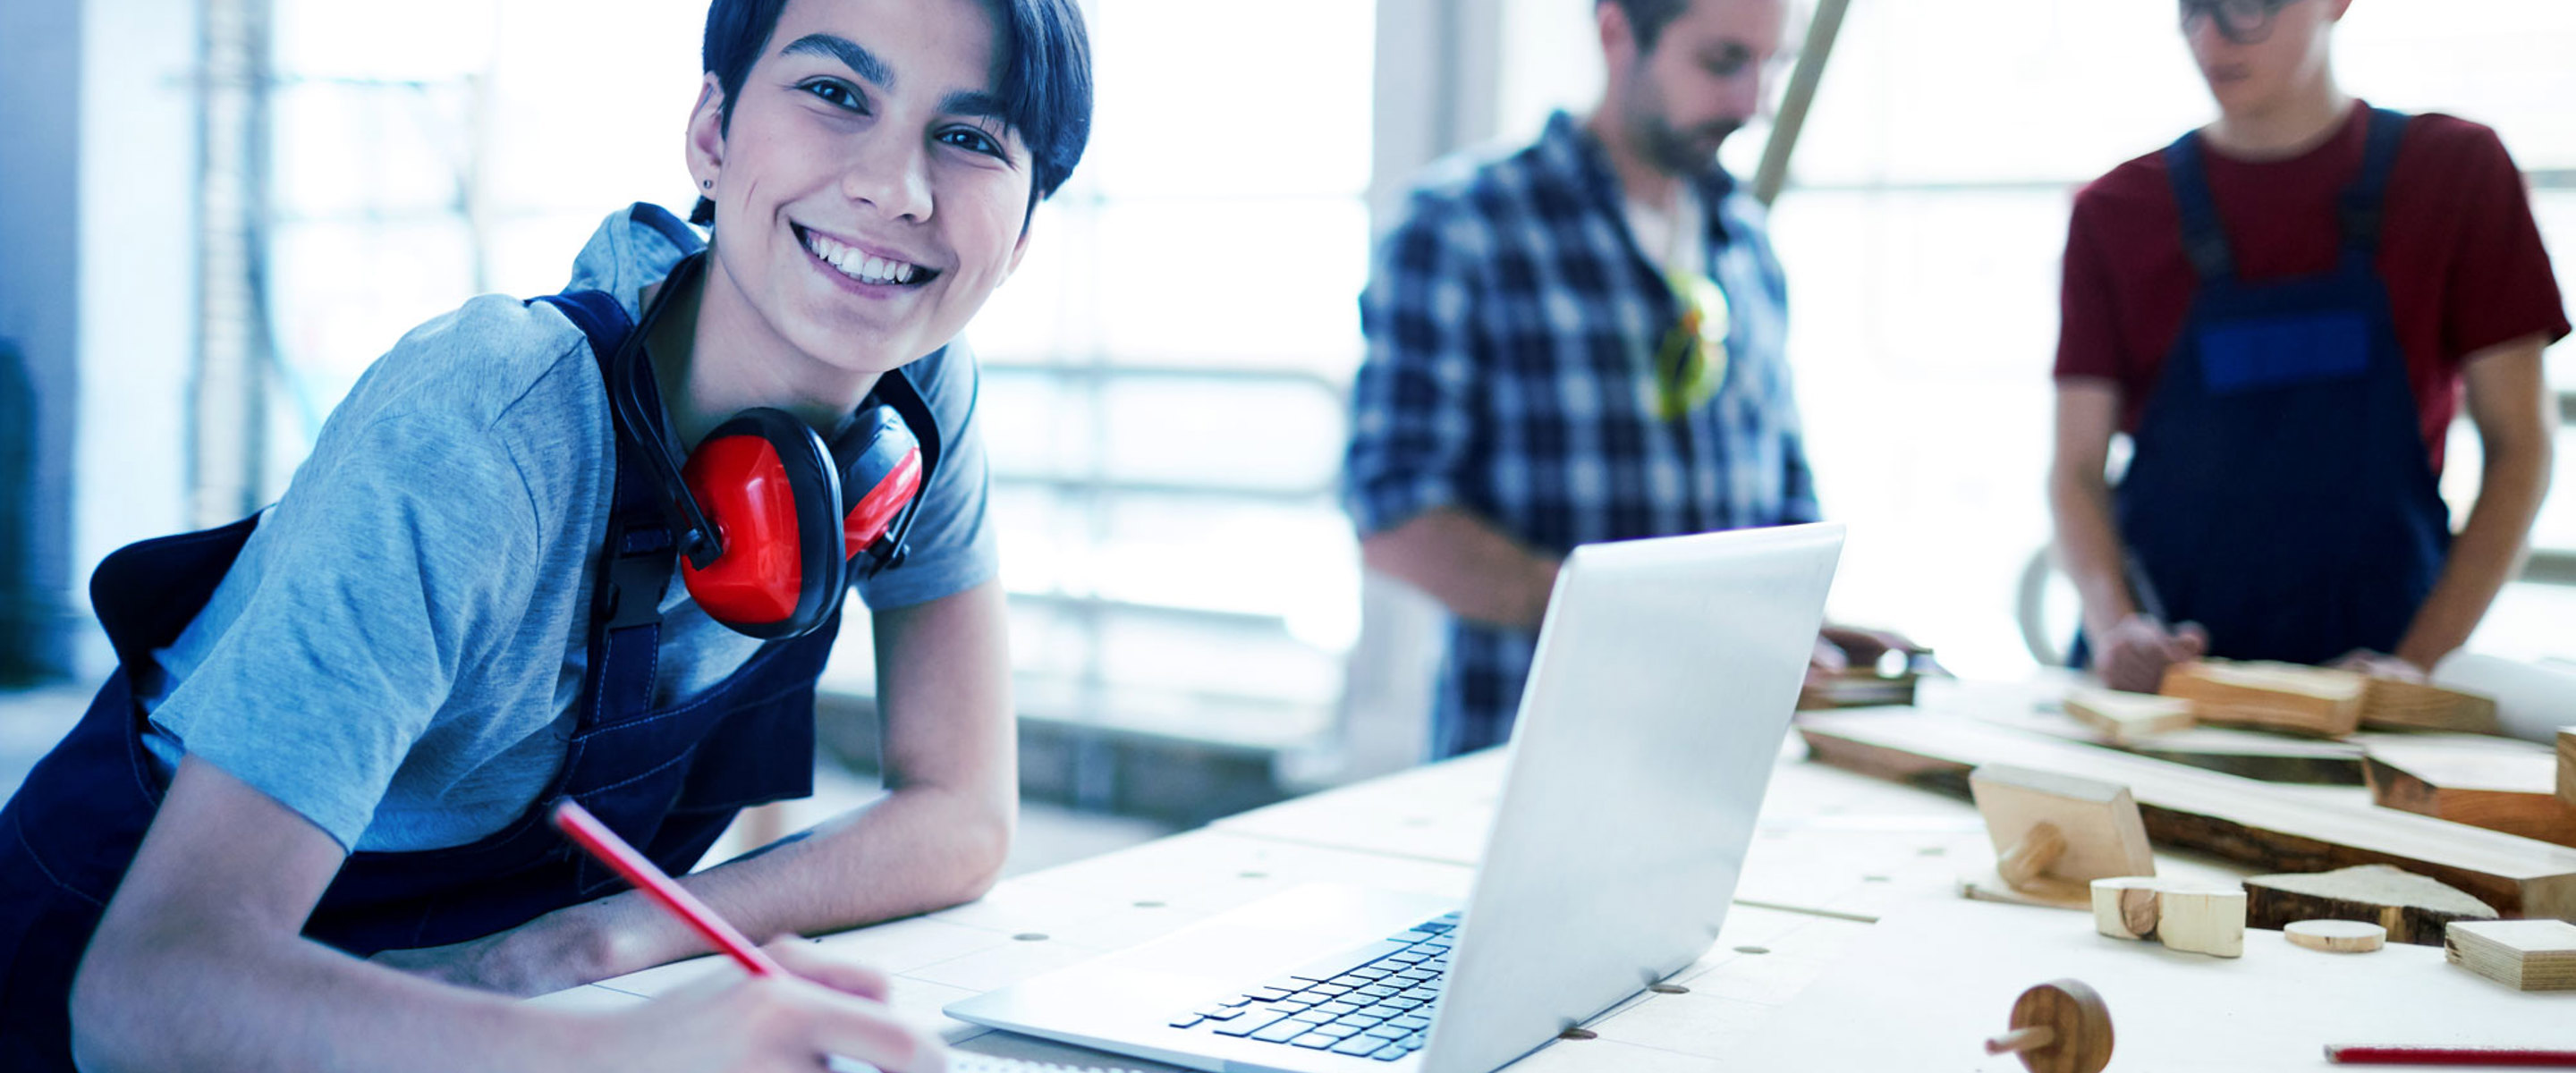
pixel 2245 22
pixel 1691 364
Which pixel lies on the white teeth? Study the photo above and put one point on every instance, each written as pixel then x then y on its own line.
pixel 857 265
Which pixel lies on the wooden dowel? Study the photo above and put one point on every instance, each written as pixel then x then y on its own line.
pixel 2027 859
pixel 2022 1039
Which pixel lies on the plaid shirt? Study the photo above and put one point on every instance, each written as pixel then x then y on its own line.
pixel 1511 322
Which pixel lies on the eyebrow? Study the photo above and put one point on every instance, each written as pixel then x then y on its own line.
pixel 975 103
pixel 1731 52
pixel 856 57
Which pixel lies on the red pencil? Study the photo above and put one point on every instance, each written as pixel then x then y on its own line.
pixel 586 831
pixel 2352 1054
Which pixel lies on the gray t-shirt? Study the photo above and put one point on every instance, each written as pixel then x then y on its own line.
pixel 397 652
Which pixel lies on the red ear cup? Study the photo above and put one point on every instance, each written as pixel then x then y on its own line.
pixel 768 486
pixel 880 475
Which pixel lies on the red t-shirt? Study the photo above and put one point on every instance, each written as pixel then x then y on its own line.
pixel 2458 247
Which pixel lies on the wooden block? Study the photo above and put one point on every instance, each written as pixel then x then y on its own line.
pixel 2336 936
pixel 2526 955
pixel 2495 783
pixel 2567 765
pixel 2282 696
pixel 2409 907
pixel 2124 907
pixel 2268 827
pixel 2092 824
pixel 2126 717
pixel 2186 915
pixel 2388 702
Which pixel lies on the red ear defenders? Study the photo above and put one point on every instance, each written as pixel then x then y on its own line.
pixel 772 523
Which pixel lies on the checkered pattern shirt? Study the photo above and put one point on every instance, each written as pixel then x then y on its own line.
pixel 1511 322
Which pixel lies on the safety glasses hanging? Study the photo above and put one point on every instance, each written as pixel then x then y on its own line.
pixel 2245 22
pixel 1690 365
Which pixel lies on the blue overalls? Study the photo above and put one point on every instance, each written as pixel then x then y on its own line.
pixel 2280 493
pixel 668 780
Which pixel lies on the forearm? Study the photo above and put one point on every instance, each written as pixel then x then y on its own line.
pixel 211 995
pixel 1467 564
pixel 2484 557
pixel 2089 548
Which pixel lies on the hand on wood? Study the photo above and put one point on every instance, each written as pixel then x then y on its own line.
pixel 2133 655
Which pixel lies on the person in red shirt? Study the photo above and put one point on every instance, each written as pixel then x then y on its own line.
pixel 2281 309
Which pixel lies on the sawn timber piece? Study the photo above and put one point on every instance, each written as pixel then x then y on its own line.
pixel 2233 818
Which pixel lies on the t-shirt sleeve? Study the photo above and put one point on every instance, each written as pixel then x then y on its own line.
pixel 952 544
pixel 400 556
pixel 1413 399
pixel 2088 336
pixel 2501 286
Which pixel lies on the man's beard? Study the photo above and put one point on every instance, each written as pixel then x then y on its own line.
pixel 1683 152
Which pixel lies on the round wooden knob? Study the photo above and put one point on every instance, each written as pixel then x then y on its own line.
pixel 2058 1027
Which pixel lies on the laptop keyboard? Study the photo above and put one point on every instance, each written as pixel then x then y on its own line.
pixel 1372 1003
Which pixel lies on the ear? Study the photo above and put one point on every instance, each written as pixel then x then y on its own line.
pixel 1618 38
pixel 2335 11
pixel 706 140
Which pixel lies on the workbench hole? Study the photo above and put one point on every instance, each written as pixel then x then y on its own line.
pixel 1031 937
pixel 1669 989
pixel 1256 875
pixel 1149 905
pixel 1873 879
pixel 1934 851
pixel 1753 950
pixel 1578 1033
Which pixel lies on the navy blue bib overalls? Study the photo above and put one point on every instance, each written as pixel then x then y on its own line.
pixel 668 780
pixel 2280 493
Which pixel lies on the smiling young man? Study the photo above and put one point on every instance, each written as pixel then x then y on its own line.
pixel 303 826
pixel 2283 310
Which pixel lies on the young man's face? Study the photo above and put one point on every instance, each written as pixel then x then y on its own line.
pixel 1701 81
pixel 868 196
pixel 2270 54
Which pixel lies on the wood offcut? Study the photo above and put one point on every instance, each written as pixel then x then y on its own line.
pixel 2526 955
pixel 2411 908
pixel 2279 696
pixel 2124 718
pixel 2495 783
pixel 2047 826
pixel 2187 915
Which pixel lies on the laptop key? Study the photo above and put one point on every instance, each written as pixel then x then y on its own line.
pixel 1378 991
pixel 1221 1013
pixel 1371 973
pixel 1316 1041
pixel 1267 994
pixel 1360 1045
pixel 1186 1020
pixel 1386 1032
pixel 1336 1031
pixel 1253 1026
pixel 1414 936
pixel 1279 1032
pixel 1415 1022
pixel 1337 1008
pixel 1390 1054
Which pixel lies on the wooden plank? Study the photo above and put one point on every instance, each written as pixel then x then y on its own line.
pixel 2254 754
pixel 2274 1008
pixel 2527 955
pixel 2125 717
pixel 2390 703
pixel 2282 696
pixel 2411 908
pixel 2495 783
pixel 2233 818
pixel 2567 765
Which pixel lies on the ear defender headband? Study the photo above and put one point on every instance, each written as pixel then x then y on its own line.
pixel 768 542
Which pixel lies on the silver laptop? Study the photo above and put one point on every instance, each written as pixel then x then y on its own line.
pixel 1664 680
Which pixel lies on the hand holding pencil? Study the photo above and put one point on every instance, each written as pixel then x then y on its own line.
pixel 796 1011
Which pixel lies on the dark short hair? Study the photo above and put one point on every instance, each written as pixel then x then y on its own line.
pixel 1046 79
pixel 1647 18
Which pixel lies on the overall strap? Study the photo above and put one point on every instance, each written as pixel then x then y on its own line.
pixel 639 556
pixel 2361 210
pixel 2204 240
